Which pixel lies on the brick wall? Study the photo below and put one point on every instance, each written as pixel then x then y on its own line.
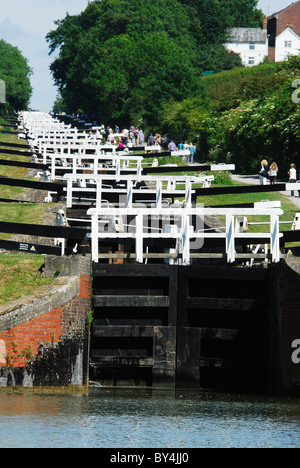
pixel 272 54
pixel 49 332
pixel 289 18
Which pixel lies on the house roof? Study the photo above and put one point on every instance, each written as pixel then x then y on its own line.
pixel 247 35
pixel 290 31
pixel 274 15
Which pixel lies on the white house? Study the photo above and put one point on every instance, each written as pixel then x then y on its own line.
pixel 250 43
pixel 287 43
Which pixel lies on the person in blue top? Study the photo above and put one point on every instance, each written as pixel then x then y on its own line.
pixel 192 150
pixel 171 146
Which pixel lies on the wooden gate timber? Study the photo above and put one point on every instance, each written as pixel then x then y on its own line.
pixel 177 327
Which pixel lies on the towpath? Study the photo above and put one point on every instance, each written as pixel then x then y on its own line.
pixel 254 180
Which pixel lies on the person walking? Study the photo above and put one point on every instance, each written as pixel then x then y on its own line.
pixel 292 177
pixel 273 173
pixel 192 150
pixel 141 137
pixel 264 172
pixel 171 146
pixel 151 140
pixel 164 142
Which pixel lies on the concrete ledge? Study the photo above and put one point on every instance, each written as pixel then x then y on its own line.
pixel 293 263
pixel 67 266
pixel 63 290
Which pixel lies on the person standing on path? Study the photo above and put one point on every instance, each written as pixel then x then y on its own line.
pixel 263 173
pixel 292 177
pixel 192 150
pixel 171 146
pixel 273 173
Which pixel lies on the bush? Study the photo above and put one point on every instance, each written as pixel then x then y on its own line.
pixel 242 117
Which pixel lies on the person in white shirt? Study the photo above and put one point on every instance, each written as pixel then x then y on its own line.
pixel 273 173
pixel 292 177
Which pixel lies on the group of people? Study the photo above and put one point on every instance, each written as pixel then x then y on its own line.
pixel 134 137
pixel 125 138
pixel 271 173
pixel 268 172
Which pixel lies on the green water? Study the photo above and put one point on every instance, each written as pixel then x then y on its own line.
pixel 147 419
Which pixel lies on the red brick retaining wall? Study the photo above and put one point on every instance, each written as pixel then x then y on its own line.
pixel 50 327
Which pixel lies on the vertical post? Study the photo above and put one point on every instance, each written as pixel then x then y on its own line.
pixel 96 160
pixel 139 237
pixel 230 248
pixel 188 194
pixel 185 226
pixel 74 165
pixel 69 192
pixel 63 245
pixel 139 167
pixel 45 155
pixel 275 243
pixel 158 193
pixel 95 239
pixel 129 194
pixel 53 167
pixel 118 169
pixel 98 193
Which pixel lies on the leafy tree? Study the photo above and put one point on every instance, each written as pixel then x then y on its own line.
pixel 254 118
pixel 122 60
pixel 15 72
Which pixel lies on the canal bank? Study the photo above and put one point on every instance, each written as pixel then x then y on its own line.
pixel 221 328
pixel 44 338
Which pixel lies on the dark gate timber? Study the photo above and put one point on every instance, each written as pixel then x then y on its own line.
pixel 179 327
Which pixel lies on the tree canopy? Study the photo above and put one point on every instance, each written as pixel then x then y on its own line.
pixel 123 60
pixel 15 72
pixel 244 116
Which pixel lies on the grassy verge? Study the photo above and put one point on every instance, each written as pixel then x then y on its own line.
pixel 29 213
pixel 19 273
pixel 7 171
pixel 20 276
pixel 287 206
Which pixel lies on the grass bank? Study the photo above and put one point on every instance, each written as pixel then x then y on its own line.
pixel 20 276
pixel 27 213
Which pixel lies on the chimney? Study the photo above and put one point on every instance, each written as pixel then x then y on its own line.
pixel 265 23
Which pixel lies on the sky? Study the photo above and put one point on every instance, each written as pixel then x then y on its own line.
pixel 25 24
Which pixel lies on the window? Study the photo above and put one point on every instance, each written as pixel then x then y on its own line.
pixel 251 61
pixel 288 44
pixel 252 46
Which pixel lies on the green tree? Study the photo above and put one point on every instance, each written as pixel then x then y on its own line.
pixel 15 72
pixel 124 59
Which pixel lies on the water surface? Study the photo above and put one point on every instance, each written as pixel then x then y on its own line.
pixel 147 419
